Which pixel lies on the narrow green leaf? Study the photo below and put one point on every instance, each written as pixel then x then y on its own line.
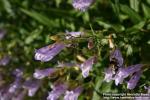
pixel 33 35
pixel 104 24
pixel 129 50
pixel 86 17
pixel 146 10
pixel 115 7
pixel 134 4
pixel 40 18
pixel 7 6
pixel 97 86
pixel 116 27
pixel 135 18
pixel 136 27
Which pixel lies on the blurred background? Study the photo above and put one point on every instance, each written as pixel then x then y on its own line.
pixel 26 25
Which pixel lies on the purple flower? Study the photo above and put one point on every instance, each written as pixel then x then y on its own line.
pixel 87 66
pixel 108 75
pixel 125 72
pixel 134 80
pixel 116 57
pixel 133 68
pixel 20 96
pixel 73 95
pixel 119 77
pixel 82 5
pixel 5 60
pixel 5 94
pixel 71 35
pixel 57 92
pixel 2 33
pixel 18 72
pixel 15 85
pixel 49 52
pixel 39 74
pixel 32 86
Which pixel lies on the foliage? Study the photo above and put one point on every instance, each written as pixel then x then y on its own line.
pixel 29 24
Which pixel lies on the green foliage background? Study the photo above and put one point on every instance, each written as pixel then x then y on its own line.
pixel 29 23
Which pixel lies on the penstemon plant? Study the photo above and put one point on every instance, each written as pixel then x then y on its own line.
pixel 88 64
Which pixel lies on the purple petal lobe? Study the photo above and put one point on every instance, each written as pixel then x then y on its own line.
pixel 39 74
pixel 57 92
pixel 49 52
pixel 108 75
pixel 133 68
pixel 82 5
pixel 116 56
pixel 87 66
pixel 134 80
pixel 18 72
pixel 2 33
pixel 125 72
pixel 73 95
pixel 15 85
pixel 5 60
pixel 71 35
pixel 32 86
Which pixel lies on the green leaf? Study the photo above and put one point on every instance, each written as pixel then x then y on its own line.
pixel 86 17
pixel 115 7
pixel 116 27
pixel 40 18
pixel 146 10
pixel 97 86
pixel 104 24
pixel 129 50
pixel 58 2
pixel 134 4
pixel 135 18
pixel 7 6
pixel 34 35
pixel 136 27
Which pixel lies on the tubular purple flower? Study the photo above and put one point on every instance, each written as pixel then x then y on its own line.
pixel 18 72
pixel 73 95
pixel 131 84
pixel 32 86
pixel 20 96
pixel 49 52
pixel 133 68
pixel 39 74
pixel 108 75
pixel 71 35
pixel 125 72
pixel 2 33
pixel 119 77
pixel 82 5
pixel 57 92
pixel 15 85
pixel 87 66
pixel 5 60
pixel 116 56
pixel 5 94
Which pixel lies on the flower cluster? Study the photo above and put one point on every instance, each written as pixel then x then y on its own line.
pixel 47 53
pixel 18 89
pixel 118 72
